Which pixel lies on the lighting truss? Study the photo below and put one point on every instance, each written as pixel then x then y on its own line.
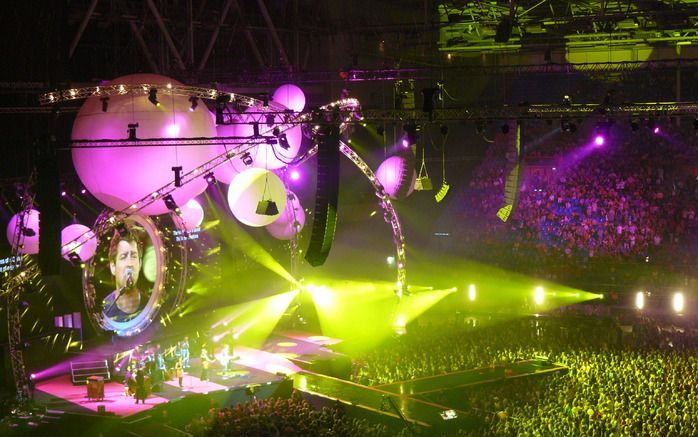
pixel 143 89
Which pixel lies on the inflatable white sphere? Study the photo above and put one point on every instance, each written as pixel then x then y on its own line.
pixel 29 239
pixel 248 189
pixel 192 214
pixel 270 156
pixel 78 239
pixel 228 170
pixel 119 176
pixel 393 173
pixel 291 221
pixel 290 96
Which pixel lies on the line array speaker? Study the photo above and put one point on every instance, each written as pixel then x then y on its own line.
pixel 327 192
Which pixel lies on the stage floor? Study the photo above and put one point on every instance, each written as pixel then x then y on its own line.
pixel 252 367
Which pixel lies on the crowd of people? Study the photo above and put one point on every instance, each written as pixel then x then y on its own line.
pixel 631 200
pixel 282 417
pixel 640 380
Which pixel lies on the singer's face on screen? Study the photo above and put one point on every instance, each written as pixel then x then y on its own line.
pixel 127 260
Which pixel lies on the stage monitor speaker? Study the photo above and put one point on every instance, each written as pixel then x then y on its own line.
pixel 49 205
pixel 327 192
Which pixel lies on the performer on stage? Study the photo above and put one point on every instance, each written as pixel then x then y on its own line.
pixel 184 351
pixel 125 251
pixel 179 372
pixel 205 364
pixel 141 393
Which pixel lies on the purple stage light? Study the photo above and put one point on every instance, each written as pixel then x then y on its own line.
pixel 295 175
pixel 655 130
pixel 405 143
pixel 63 193
pixel 599 140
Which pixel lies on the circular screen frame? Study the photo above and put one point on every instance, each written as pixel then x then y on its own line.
pixel 158 295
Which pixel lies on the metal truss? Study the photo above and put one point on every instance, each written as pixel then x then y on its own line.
pixel 54 97
pixel 530 112
pixel 389 214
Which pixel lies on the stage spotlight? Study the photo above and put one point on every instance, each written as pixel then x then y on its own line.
pixel 221 102
pixel 267 207
pixel 380 130
pixel 283 141
pixel 472 292
pixel 568 126
pixel 599 140
pixel 177 175
pixel 153 96
pixel 210 178
pixel 566 101
pixel 677 302
pixel 194 103
pixel 640 300
pixel 105 103
pixel 539 295
pixel 247 159
pixel 132 131
pixel 170 203
pixel 295 175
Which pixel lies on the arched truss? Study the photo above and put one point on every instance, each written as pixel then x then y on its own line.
pixel 389 214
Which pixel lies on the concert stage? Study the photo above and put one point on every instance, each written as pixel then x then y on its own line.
pixel 254 370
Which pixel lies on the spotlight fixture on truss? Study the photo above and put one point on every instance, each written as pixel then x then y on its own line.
pixel 283 141
pixel 132 131
pixel 177 175
pixel 247 159
pixel 153 96
pixel 209 177
pixel 170 203
pixel 194 103
pixel 105 103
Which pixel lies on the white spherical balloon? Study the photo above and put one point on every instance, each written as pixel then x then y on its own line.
pixel 29 239
pixel 248 189
pixel 270 156
pixel 394 173
pixel 119 176
pixel 192 214
pixel 290 96
pixel 291 221
pixel 80 240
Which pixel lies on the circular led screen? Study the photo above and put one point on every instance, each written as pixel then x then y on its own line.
pixel 120 295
